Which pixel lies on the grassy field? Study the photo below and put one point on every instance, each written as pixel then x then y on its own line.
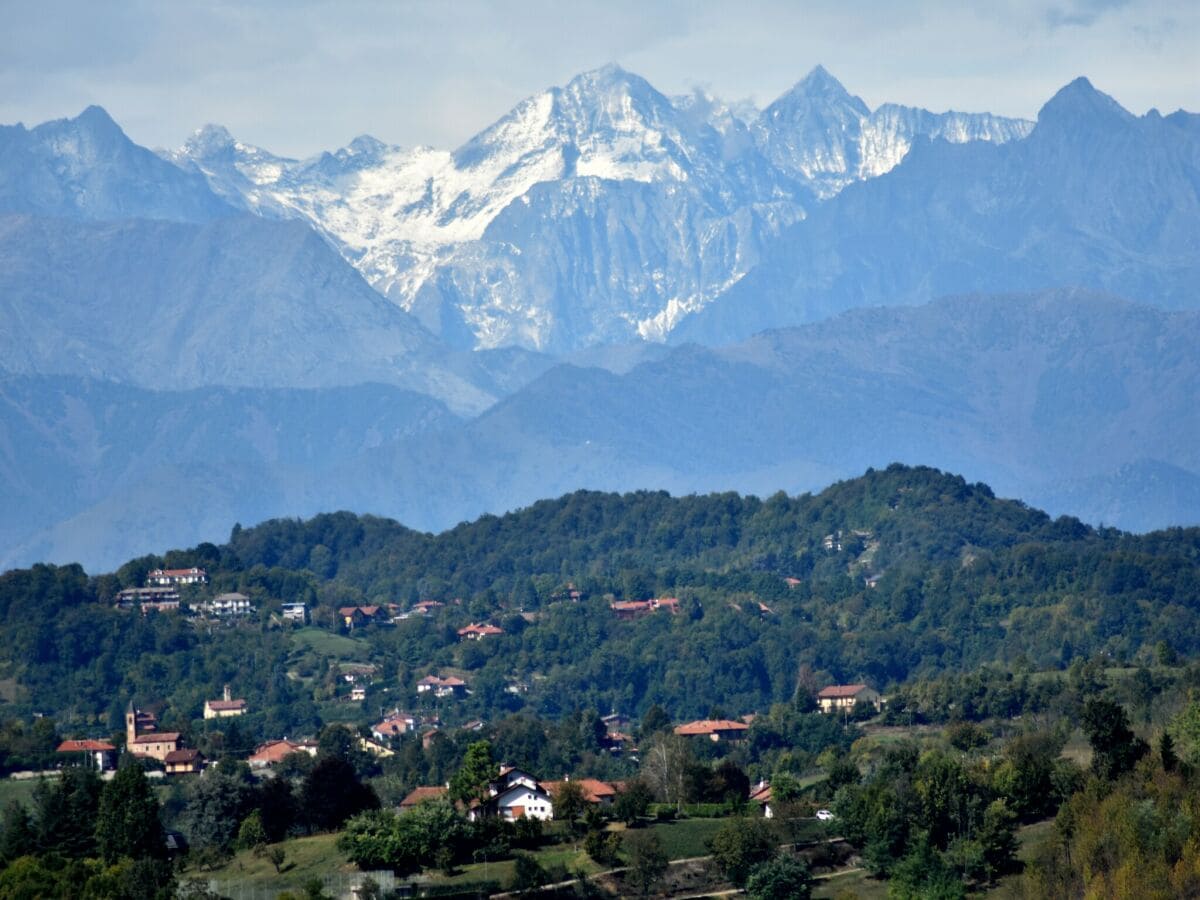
pixel 685 838
pixel 851 883
pixel 329 644
pixel 11 789
pixel 306 857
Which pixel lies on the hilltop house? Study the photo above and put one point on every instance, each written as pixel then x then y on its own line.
pixel 148 599
pixel 714 729
pixel 228 605
pixel 175 577
pixel 225 707
pixel 844 697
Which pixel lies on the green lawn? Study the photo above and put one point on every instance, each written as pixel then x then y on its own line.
pixel 11 789
pixel 327 643
pixel 306 857
pixel 858 884
pixel 685 838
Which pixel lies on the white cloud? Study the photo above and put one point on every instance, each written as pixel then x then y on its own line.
pixel 297 78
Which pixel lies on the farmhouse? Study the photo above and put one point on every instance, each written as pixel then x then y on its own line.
pixel 844 697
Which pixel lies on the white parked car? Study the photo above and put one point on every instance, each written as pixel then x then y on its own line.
pixel 825 815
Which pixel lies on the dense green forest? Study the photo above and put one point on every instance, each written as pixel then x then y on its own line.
pixel 902 574
pixel 998 634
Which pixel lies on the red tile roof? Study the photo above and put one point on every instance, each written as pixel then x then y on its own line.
pixel 274 751
pixel 840 691
pixel 422 794
pixel 181 756
pixel 594 791
pixel 157 737
pixel 85 746
pixel 480 630
pixel 710 726
pixel 222 705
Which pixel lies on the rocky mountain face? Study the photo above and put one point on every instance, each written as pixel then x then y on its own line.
pixel 87 168
pixel 823 135
pixel 1093 197
pixel 600 211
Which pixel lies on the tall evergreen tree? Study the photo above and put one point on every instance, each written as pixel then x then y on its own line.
pixel 127 824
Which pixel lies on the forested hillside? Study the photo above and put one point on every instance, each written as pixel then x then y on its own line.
pixel 899 574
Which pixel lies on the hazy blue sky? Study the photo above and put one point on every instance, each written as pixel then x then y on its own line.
pixel 297 77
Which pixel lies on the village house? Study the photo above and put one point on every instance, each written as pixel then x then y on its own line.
pixel 294 612
pixel 273 752
pixel 358 673
pixel 357 616
pixel 514 795
pixel 760 797
pixel 358 693
pixel 148 599
pixel 844 697
pixel 596 792
pixel 394 725
pixel 421 795
pixel 175 577
pixel 225 707
pixel 442 687
pixel 99 755
pixel 714 729
pixel 228 606
pixel 475 632
pixel 183 762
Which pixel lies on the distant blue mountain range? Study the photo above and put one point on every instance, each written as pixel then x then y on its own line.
pixel 271 337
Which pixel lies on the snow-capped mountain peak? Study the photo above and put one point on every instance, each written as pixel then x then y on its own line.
pixel 599 210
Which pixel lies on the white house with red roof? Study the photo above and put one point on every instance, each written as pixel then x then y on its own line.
pixel 175 577
pixel 844 697
pixel 442 687
pixel 100 755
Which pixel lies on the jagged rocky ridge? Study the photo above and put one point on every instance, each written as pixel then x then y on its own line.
pixel 597 212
